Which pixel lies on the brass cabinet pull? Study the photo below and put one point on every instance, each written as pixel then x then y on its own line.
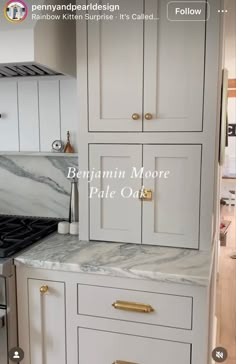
pixel 44 289
pixel 122 362
pixel 132 306
pixel 145 194
pixel 135 116
pixel 148 116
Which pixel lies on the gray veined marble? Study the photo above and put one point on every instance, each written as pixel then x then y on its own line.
pixel 66 253
pixel 35 185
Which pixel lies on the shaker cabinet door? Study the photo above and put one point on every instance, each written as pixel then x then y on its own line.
pixel 115 210
pixel 173 70
pixel 47 322
pixel 115 70
pixel 171 218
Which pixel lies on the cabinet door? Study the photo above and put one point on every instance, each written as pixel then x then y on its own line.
pixel 108 348
pixel 114 214
pixel 172 217
pixel 47 322
pixel 115 70
pixel 173 71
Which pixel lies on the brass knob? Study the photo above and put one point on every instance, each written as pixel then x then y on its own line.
pixel 148 116
pixel 44 289
pixel 135 116
pixel 145 194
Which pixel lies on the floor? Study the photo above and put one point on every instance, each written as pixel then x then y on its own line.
pixel 226 291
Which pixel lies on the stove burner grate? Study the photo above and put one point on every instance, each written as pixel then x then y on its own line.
pixel 19 232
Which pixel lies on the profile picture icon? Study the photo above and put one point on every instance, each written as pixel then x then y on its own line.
pixel 15 11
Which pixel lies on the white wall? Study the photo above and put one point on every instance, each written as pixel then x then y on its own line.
pixel 230 64
pixel 37 112
pixel 230 37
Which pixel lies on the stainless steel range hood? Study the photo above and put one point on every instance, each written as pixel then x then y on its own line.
pixel 37 47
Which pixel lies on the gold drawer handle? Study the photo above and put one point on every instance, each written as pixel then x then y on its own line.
pixel 122 362
pixel 148 116
pixel 145 194
pixel 132 306
pixel 44 289
pixel 135 116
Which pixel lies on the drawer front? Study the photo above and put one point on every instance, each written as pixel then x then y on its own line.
pixel 168 310
pixel 112 348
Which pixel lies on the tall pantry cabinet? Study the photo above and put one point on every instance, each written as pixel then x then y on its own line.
pixel 149 94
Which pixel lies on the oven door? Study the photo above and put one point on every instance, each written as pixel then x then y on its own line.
pixel 3 336
pixel 2 292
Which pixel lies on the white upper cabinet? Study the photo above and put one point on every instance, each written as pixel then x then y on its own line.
pixel 172 217
pixel 115 71
pixel 145 75
pixel 173 71
pixel 168 215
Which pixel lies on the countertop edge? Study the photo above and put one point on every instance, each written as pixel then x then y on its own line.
pixel 113 272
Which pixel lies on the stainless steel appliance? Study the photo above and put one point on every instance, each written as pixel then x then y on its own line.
pixel 8 322
pixel 16 233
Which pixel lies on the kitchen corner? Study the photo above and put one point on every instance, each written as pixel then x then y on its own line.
pixel 131 108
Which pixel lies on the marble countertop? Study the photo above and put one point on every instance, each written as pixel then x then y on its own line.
pixel 66 253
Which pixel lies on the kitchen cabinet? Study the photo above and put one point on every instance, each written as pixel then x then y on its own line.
pixel 170 172
pixel 115 68
pixel 163 224
pixel 145 75
pixel 47 336
pixel 103 324
pixel 109 300
pixel 174 104
pixel 116 348
pixel 174 62
pixel 113 217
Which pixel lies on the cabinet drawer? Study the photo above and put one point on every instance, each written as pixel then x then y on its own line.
pixel 168 310
pixel 112 348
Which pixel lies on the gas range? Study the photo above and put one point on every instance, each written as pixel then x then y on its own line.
pixel 19 232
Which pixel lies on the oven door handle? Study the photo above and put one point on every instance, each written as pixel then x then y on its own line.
pixel 2 321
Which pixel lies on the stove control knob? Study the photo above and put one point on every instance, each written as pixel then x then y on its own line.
pixel 44 289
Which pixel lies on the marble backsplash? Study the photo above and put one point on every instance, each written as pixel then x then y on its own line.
pixel 35 185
